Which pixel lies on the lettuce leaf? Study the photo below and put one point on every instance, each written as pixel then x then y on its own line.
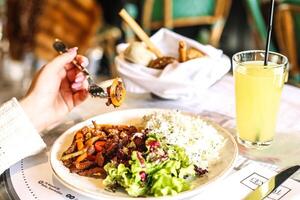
pixel 163 170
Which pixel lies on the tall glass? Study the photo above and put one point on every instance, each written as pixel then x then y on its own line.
pixel 257 94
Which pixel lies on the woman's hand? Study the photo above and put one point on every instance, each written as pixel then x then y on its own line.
pixel 55 90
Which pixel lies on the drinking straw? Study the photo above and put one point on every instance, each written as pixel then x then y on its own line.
pixel 269 33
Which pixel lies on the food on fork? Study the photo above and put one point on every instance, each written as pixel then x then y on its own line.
pixel 161 62
pixel 138 53
pixel 182 51
pixel 116 93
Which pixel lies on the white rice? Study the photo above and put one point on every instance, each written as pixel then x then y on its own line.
pixel 200 140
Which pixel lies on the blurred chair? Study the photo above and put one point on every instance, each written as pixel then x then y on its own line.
pixel 20 28
pixel 78 23
pixel 107 38
pixel 182 13
pixel 287 25
pixel 257 23
pixel 75 22
pixel 132 9
pixel 33 26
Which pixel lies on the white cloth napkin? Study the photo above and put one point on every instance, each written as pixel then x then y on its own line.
pixel 177 80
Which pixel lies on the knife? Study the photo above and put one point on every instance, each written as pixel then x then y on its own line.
pixel 269 186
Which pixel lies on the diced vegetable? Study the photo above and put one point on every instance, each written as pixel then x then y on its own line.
pixel 73 155
pixel 81 157
pixel 99 145
pixel 92 140
pixel 79 144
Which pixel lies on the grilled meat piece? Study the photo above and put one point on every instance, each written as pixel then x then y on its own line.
pixel 103 144
pixel 100 159
pixel 84 165
pixel 97 171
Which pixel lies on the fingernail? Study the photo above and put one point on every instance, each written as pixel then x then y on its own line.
pixel 76 86
pixel 85 63
pixel 79 78
pixel 73 49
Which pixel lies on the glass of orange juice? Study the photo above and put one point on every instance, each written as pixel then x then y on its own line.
pixel 257 95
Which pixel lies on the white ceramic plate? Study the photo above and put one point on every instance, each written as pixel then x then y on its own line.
pixel 94 188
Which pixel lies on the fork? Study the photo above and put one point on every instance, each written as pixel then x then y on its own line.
pixel 94 89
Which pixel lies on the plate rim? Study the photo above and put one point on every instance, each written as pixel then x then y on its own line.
pixel 181 195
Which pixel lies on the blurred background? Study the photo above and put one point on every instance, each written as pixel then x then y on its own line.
pixel 29 27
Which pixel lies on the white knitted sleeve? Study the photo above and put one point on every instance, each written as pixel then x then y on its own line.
pixel 18 137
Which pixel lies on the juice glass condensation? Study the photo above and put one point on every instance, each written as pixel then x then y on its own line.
pixel 257 95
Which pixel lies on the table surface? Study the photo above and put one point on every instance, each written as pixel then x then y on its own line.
pixel 217 102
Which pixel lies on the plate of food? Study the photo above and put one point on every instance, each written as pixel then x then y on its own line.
pixel 143 154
